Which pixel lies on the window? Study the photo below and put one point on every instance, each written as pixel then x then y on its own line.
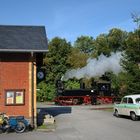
pixel 130 101
pixel 138 100
pixel 9 97
pixel 124 100
pixel 14 97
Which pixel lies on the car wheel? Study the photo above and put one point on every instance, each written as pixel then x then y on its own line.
pixel 116 113
pixel 133 116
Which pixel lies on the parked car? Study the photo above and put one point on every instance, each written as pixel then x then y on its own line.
pixel 129 106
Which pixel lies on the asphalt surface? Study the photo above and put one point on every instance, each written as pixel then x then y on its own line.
pixel 83 123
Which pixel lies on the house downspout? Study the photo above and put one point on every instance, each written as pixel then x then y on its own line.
pixel 32 58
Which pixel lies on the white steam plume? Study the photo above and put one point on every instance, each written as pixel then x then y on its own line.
pixel 97 67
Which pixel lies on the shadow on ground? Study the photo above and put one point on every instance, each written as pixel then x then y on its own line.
pixel 54 111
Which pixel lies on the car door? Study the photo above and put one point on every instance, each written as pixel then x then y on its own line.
pixel 129 106
pixel 122 108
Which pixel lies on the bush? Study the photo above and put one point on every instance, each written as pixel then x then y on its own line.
pixel 72 84
pixel 45 92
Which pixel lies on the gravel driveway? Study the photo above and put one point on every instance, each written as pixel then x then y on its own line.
pixel 83 123
pixel 86 124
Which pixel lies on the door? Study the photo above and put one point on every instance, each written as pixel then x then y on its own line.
pixel 122 106
pixel 130 106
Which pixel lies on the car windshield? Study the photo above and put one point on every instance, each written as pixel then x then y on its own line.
pixel 138 100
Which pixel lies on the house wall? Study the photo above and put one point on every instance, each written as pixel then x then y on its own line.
pixel 16 74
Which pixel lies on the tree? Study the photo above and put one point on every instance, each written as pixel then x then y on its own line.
pixel 55 64
pixel 85 44
pixel 77 59
pixel 116 38
pixel 102 46
pixel 46 91
pixel 131 62
pixel 118 82
pixel 136 19
pixel 56 59
pixel 72 84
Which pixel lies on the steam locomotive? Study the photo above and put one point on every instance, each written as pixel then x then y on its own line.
pixel 100 92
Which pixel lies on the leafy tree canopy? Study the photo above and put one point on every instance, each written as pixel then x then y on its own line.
pixel 131 61
pixel 102 45
pixel 56 59
pixel 77 59
pixel 116 38
pixel 85 44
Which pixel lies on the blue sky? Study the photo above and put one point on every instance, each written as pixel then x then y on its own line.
pixel 70 18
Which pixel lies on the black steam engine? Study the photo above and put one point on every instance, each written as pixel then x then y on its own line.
pixel 99 93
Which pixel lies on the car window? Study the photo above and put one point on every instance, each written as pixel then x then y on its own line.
pixel 138 100
pixel 130 100
pixel 124 100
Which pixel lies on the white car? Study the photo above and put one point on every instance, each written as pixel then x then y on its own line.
pixel 129 106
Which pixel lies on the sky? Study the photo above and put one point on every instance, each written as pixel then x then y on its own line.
pixel 70 19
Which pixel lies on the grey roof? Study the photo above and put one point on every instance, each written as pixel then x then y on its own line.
pixel 23 39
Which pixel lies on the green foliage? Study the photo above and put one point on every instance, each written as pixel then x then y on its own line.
pixel 111 42
pixel 131 62
pixel 85 44
pixel 118 82
pixel 56 64
pixel 72 84
pixel 56 59
pixel 77 59
pixel 102 45
pixel 116 38
pixel 136 19
pixel 133 46
pixel 45 91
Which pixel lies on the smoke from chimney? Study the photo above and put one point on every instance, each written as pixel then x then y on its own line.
pixel 97 67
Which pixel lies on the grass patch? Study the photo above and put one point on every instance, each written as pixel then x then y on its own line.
pixel 47 128
pixel 42 127
pixel 109 109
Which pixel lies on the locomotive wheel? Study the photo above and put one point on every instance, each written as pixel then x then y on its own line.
pixel 80 101
pixel 75 101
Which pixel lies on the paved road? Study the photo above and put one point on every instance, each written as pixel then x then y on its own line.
pixel 82 123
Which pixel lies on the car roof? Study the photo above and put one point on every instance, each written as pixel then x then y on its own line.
pixel 133 96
